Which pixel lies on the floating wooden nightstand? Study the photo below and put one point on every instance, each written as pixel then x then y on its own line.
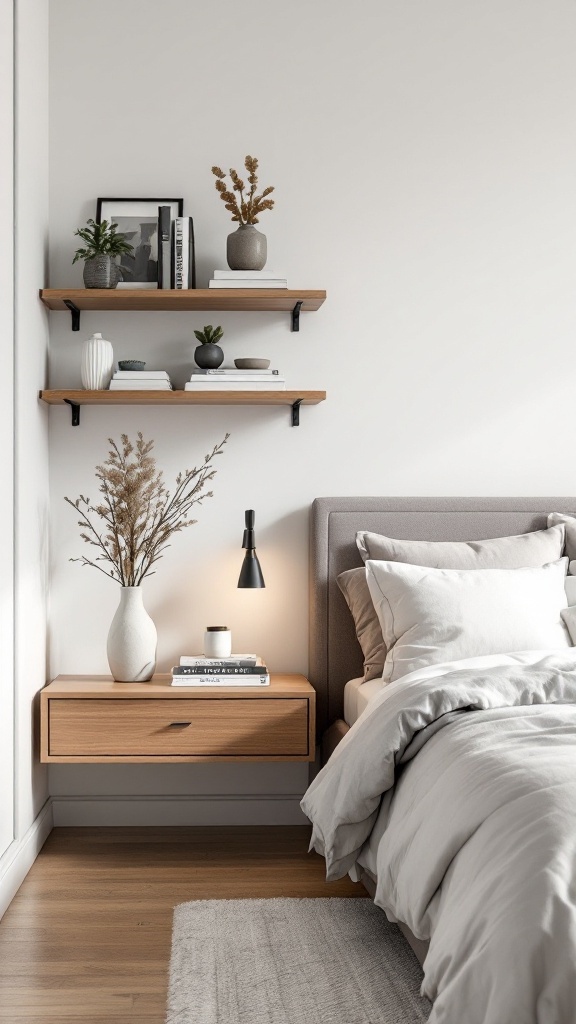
pixel 93 720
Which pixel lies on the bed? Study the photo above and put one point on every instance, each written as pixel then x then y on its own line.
pixel 544 991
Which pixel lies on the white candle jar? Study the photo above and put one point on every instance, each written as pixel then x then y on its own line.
pixel 217 642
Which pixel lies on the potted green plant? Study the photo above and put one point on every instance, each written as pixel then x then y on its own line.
pixel 103 244
pixel 246 248
pixel 209 355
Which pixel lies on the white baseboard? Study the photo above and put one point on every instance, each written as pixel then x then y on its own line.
pixel 20 856
pixel 247 809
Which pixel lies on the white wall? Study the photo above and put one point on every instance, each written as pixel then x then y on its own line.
pixel 27 432
pixel 424 158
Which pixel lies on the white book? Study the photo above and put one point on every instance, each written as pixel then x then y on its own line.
pixel 230 372
pixel 199 659
pixel 128 385
pixel 181 252
pixel 141 375
pixel 248 275
pixel 281 283
pixel 273 378
pixel 213 680
pixel 241 385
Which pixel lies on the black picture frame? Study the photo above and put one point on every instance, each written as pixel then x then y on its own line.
pixel 139 217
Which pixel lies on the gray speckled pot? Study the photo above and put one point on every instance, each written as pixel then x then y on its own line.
pixel 246 249
pixel 101 272
pixel 209 356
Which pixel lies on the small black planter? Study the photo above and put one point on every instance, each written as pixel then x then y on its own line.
pixel 209 356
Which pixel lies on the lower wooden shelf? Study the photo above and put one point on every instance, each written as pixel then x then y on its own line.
pixel 78 397
pixel 93 720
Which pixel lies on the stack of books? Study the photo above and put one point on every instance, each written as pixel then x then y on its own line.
pixel 176 257
pixel 247 279
pixel 229 379
pixel 238 670
pixel 140 380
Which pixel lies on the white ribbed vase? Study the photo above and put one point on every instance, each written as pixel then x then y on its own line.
pixel 132 639
pixel 97 363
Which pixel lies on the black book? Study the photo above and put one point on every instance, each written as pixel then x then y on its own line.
pixel 220 670
pixel 164 247
pixel 191 256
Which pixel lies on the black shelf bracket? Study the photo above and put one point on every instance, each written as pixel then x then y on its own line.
pixel 296 412
pixel 75 409
pixel 75 313
pixel 296 316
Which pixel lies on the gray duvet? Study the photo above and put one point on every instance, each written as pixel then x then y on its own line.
pixel 471 767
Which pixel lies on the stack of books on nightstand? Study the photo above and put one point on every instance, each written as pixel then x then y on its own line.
pixel 238 670
pixel 227 379
pixel 247 279
pixel 140 380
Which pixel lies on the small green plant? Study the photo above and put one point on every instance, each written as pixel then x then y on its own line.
pixel 101 240
pixel 210 335
pixel 244 208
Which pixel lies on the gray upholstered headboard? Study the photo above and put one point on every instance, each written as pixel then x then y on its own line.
pixel 335 655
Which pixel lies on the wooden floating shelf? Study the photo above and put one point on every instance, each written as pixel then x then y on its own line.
pixel 76 398
pixel 185 300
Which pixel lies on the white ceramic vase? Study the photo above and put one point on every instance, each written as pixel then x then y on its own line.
pixel 132 639
pixel 97 363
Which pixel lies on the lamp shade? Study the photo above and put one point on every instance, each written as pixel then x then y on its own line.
pixel 250 573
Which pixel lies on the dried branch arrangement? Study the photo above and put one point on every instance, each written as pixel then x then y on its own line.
pixel 244 208
pixel 137 515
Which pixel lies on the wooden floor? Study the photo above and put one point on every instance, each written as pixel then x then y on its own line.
pixel 87 938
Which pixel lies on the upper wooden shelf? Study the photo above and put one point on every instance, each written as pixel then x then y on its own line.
pixel 156 299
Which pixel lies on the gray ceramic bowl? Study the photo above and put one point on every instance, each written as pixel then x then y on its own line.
pixel 131 364
pixel 251 364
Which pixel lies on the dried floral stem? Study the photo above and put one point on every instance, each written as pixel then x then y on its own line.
pixel 245 212
pixel 139 514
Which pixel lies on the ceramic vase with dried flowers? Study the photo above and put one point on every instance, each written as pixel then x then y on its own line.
pixel 130 527
pixel 246 248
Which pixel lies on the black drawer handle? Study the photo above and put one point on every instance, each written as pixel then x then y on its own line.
pixel 178 725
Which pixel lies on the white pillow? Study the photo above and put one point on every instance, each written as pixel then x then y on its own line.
pixel 430 616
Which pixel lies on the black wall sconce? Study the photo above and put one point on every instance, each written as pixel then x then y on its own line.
pixel 250 573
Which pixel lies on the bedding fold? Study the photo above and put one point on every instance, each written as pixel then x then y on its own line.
pixel 468 771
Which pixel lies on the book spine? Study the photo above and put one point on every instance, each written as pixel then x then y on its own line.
pixel 264 374
pixel 233 659
pixel 248 275
pixel 248 284
pixel 191 255
pixel 252 680
pixel 164 230
pixel 180 253
pixel 231 670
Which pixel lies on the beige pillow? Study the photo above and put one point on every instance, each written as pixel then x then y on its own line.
pixel 527 550
pixel 569 522
pixel 355 589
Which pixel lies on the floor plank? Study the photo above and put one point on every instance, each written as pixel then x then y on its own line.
pixel 87 938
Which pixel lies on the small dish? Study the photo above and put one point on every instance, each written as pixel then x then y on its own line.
pixel 131 364
pixel 251 364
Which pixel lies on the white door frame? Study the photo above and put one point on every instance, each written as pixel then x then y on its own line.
pixel 7 524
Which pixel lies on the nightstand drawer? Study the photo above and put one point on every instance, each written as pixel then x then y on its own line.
pixel 152 727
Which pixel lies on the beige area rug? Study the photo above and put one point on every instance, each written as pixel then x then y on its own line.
pixel 288 961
